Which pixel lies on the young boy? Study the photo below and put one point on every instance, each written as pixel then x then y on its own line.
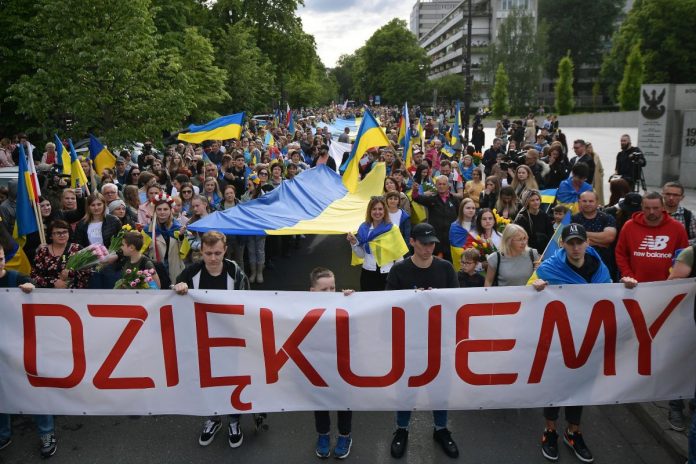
pixel 133 258
pixel 467 276
pixel 323 280
pixel 559 212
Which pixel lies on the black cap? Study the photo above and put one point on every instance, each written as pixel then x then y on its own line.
pixel 572 231
pixel 631 202
pixel 424 233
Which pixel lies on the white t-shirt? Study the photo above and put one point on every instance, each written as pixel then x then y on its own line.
pixel 94 233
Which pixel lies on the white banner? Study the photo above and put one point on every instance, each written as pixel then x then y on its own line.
pixel 337 149
pixel 215 352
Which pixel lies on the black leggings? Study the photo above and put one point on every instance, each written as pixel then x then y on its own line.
pixel 572 414
pixel 322 421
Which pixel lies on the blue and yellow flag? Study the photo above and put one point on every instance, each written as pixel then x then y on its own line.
pixel 456 127
pixel 405 136
pixel 291 124
pixel 447 150
pixel 553 245
pixel 268 141
pixel 101 157
pixel 548 196
pixel 78 178
pixel 26 217
pixel 460 239
pixel 222 128
pixel 385 243
pixel 370 135
pixel 62 155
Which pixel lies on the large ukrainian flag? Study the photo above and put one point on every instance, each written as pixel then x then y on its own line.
pixel 405 136
pixel 370 135
pixel 101 157
pixel 314 202
pixel 223 128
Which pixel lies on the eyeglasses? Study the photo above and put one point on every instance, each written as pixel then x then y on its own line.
pixel 187 191
pixel 60 232
pixel 263 173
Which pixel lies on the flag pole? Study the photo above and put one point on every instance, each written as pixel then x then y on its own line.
pixel 39 222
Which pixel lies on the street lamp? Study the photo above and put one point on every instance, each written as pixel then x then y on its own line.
pixel 467 76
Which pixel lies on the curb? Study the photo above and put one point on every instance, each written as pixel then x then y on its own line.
pixel 653 416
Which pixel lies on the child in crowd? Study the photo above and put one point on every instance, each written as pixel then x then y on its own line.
pixel 467 276
pixel 559 212
pixel 133 259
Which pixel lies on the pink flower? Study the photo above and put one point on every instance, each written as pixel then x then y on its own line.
pixel 128 271
pixel 132 284
pixel 137 281
pixel 148 279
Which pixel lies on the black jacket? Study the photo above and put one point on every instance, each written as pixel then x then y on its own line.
pixel 441 214
pixel 110 228
pixel 235 272
pixel 539 227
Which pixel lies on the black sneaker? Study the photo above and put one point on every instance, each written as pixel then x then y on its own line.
pixel 48 445
pixel 260 421
pixel 210 428
pixel 676 420
pixel 399 442
pixel 5 442
pixel 444 438
pixel 577 444
pixel 235 435
pixel 549 445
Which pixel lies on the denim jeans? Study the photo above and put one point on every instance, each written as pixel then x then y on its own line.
pixel 257 251
pixel 44 424
pixel 404 417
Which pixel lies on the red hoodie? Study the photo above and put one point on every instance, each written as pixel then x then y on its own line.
pixel 644 252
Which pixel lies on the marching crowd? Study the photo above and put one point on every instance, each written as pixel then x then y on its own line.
pixel 457 215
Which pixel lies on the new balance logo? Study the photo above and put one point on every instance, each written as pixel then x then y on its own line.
pixel 654 242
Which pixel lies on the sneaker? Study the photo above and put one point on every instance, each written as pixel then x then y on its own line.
pixel 5 442
pixel 323 445
pixel 577 444
pixel 549 445
pixel 234 435
pixel 342 448
pixel 399 442
pixel 444 438
pixel 210 428
pixel 48 445
pixel 676 420
pixel 260 422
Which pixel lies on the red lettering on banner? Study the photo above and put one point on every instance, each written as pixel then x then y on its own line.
pixel 205 343
pixel 29 314
pixel 275 360
pixel 137 315
pixel 646 335
pixel 466 345
pixel 398 353
pixel 556 317
pixel 171 365
pixel 434 349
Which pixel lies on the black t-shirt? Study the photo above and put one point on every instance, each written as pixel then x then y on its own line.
pixel 405 275
pixel 19 279
pixel 466 280
pixel 209 282
pixel 588 268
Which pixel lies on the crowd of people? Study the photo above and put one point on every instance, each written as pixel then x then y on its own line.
pixel 473 218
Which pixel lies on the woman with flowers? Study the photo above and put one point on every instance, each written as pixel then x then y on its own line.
pixel 49 269
pixel 460 231
pixel 486 230
pixel 166 244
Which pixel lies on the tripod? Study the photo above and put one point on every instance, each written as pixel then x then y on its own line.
pixel 639 179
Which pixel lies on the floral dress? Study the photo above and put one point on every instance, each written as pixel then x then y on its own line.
pixel 47 268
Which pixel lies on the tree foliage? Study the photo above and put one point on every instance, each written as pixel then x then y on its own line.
pixel 390 64
pixel 629 89
pixel 521 48
pixel 565 101
pixel 663 29
pixel 575 26
pixel 501 99
pixel 449 88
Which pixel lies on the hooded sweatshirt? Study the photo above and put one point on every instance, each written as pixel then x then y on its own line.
pixel 644 252
pixel 556 271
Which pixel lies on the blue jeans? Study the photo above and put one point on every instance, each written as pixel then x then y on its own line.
pixel 44 424
pixel 404 417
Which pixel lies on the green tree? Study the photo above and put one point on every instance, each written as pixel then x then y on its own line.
pixel 521 48
pixel 661 27
pixel 104 72
pixel 629 89
pixel 565 101
pixel 450 87
pixel 343 73
pixel 501 100
pixel 575 27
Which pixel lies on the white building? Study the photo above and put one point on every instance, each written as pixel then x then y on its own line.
pixel 427 13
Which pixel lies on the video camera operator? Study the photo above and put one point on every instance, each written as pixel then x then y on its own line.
pixel 630 162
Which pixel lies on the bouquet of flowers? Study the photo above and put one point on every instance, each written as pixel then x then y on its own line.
pixel 501 221
pixel 136 279
pixel 87 257
pixel 477 157
pixel 428 187
pixel 484 246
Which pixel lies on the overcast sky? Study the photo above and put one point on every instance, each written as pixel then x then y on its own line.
pixel 342 26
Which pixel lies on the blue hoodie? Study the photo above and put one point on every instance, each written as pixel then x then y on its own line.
pixel 556 271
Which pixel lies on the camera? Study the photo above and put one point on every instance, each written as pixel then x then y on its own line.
pixel 638 159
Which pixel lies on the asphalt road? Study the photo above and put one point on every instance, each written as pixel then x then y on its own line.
pixel 495 436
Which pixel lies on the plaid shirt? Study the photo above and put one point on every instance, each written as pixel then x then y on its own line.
pixel 678 215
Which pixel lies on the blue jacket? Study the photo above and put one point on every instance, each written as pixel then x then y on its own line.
pixel 555 270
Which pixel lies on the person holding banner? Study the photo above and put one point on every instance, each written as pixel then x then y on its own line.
pixel 575 263
pixel 44 423
pixel 323 280
pixel 422 271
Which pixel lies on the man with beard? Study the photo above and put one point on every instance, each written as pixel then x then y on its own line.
pixel 629 161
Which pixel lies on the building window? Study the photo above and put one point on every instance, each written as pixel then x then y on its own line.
pixel 510 4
